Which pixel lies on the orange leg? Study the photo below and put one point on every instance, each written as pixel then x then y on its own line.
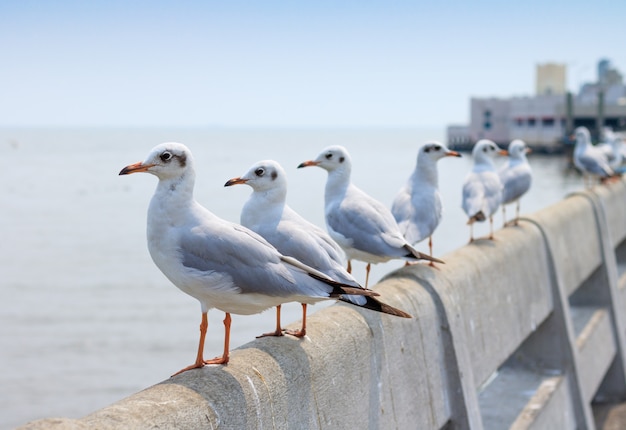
pixel 430 249
pixel 367 274
pixel 224 358
pixel 349 269
pixel 302 331
pixel 200 361
pixel 279 330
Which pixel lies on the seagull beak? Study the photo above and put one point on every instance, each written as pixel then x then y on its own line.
pixel 528 150
pixel 135 168
pixel 308 163
pixel 235 181
pixel 503 152
pixel 452 154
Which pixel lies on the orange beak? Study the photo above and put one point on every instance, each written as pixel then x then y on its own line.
pixel 308 163
pixel 135 168
pixel 452 154
pixel 503 152
pixel 235 181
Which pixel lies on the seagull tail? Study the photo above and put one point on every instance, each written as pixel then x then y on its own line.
pixel 374 304
pixel 340 289
pixel 414 253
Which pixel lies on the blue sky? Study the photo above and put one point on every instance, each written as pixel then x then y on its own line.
pixel 288 63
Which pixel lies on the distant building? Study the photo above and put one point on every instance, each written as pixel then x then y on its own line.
pixel 551 79
pixel 546 120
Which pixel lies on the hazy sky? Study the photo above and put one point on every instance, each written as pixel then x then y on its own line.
pixel 288 63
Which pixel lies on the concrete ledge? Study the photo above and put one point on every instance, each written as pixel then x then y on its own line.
pixel 347 373
pixel 614 209
pixel 502 292
pixel 571 230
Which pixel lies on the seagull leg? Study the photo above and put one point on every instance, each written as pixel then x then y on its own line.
pixel 199 357
pixel 349 269
pixel 491 228
pixel 302 331
pixel 517 213
pixel 224 358
pixel 367 274
pixel 503 215
pixel 279 330
pixel 430 249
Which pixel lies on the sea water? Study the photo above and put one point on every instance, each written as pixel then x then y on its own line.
pixel 86 318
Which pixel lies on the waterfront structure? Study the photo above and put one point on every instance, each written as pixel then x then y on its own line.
pixel 546 120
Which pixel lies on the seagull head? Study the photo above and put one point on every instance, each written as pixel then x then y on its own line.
pixel 435 151
pixel 517 149
pixel 485 151
pixel 582 135
pixel 262 176
pixel 332 158
pixel 166 161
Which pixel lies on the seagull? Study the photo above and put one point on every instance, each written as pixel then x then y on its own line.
pixel 362 226
pixel 482 189
pixel 516 176
pixel 590 160
pixel 221 264
pixel 613 148
pixel 267 214
pixel 417 207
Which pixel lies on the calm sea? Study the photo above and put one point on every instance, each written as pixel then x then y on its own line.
pixel 87 319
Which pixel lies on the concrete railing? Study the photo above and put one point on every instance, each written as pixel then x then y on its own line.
pixel 526 331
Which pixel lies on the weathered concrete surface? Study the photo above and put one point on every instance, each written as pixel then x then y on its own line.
pixel 354 368
pixel 522 332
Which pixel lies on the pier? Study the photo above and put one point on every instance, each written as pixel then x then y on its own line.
pixel 526 331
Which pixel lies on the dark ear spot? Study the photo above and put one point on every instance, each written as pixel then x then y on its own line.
pixel 182 159
pixel 341 159
pixel 427 149
pixel 274 175
pixel 485 149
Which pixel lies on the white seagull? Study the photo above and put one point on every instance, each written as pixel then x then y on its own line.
pixel 417 207
pixel 613 148
pixel 222 264
pixel 482 189
pixel 589 159
pixel 362 226
pixel 267 214
pixel 516 176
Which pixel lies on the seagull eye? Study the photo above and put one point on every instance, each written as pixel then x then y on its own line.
pixel 260 171
pixel 166 156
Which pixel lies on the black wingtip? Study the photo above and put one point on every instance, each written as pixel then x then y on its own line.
pixel 340 289
pixel 378 306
